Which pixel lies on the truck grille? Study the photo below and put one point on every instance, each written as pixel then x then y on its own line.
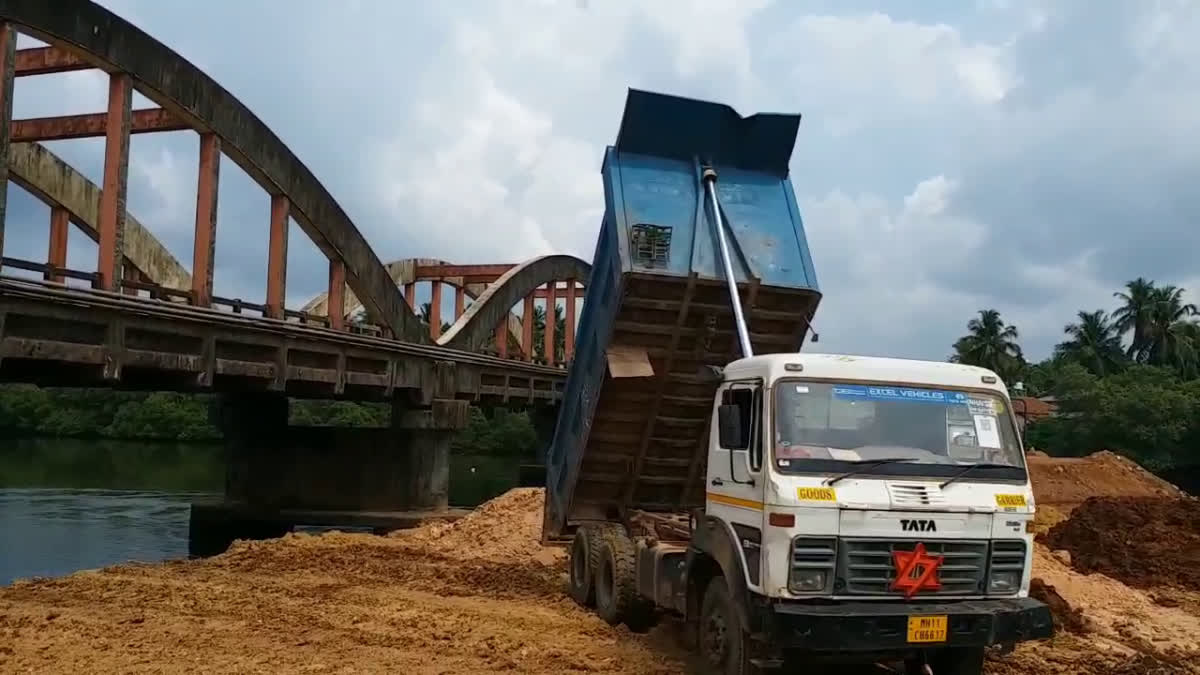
pixel 813 553
pixel 866 566
pixel 1008 554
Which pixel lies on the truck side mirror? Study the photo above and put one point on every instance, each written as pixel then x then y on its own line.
pixel 729 425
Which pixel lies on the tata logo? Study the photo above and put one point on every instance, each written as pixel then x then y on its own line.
pixel 915 525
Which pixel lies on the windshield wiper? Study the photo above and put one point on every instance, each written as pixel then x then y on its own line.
pixel 864 464
pixel 968 469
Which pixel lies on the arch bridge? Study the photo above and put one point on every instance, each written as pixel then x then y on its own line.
pixel 142 317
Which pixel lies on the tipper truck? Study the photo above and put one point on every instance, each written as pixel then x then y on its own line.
pixel 790 507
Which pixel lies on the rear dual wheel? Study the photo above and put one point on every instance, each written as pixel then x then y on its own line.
pixel 581 580
pixel 603 573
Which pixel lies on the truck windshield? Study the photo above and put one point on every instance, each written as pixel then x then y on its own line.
pixel 823 426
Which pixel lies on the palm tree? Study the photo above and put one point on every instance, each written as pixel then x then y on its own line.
pixel 426 311
pixel 1165 343
pixel 1094 343
pixel 539 333
pixel 1134 315
pixel 1186 348
pixel 991 344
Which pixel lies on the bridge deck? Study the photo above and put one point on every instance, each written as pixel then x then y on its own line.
pixel 76 337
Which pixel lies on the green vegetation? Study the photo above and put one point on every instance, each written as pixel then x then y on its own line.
pixel 27 411
pixel 1126 381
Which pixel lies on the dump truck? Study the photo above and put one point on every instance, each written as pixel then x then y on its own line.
pixel 790 507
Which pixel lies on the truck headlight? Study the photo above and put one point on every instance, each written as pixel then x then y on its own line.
pixel 1004 581
pixel 808 581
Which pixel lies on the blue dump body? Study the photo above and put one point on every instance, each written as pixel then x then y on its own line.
pixel 633 425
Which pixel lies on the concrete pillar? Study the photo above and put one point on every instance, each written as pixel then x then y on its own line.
pixel 569 319
pixel 281 207
pixel 60 224
pixel 336 294
pixel 435 310
pixel 204 241
pixel 548 332
pixel 527 328
pixel 111 225
pixel 401 468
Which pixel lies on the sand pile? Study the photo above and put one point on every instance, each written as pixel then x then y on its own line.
pixel 1099 515
pixel 477 596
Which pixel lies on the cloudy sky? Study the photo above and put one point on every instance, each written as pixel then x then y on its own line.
pixel 953 155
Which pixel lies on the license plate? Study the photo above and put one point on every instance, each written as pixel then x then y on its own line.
pixel 927 628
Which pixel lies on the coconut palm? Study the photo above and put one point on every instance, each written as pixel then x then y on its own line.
pixel 1094 343
pixel 990 343
pixel 1135 315
pixel 1166 337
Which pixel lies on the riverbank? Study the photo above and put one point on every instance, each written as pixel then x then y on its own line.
pixel 481 595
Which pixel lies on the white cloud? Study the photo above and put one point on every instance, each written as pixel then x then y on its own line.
pixel 1025 156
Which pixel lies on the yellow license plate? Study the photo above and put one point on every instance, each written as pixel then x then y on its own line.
pixel 927 628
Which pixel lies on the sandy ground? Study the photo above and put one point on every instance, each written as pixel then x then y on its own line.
pixel 481 596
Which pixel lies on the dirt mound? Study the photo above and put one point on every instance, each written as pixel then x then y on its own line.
pixel 1066 618
pixel 507 528
pixel 1143 542
pixel 1069 481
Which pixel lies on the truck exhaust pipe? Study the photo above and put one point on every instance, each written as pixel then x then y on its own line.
pixel 709 178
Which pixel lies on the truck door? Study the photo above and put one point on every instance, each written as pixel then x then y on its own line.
pixel 734 490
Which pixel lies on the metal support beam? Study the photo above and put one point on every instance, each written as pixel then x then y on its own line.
pixel 204 244
pixel 48 60
pixel 60 225
pixel 337 294
pixel 410 296
pixel 92 125
pixel 460 301
pixel 116 175
pixel 8 45
pixel 277 256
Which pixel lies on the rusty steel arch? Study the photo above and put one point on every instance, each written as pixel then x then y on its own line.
pixel 111 43
pixel 48 177
pixel 404 272
pixel 473 329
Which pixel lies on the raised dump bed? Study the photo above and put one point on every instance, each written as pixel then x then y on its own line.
pixel 632 428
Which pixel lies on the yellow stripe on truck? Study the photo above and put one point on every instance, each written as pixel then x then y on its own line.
pixel 734 501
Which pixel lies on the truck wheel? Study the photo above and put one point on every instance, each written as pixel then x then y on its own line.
pixel 724 647
pixel 582 588
pixel 615 577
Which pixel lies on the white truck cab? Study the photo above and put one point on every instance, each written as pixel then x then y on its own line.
pixel 842 462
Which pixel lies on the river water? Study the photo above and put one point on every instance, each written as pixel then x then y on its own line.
pixel 68 505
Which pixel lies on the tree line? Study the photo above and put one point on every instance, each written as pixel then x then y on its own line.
pixel 28 411
pixel 1126 380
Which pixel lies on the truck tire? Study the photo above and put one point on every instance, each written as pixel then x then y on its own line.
pixel 582 565
pixel 724 647
pixel 615 579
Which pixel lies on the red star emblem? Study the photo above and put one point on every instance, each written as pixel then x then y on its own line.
pixel 916 571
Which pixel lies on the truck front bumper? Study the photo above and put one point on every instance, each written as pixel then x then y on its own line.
pixel 885 626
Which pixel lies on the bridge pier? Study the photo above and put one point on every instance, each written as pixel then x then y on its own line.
pixel 279 476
